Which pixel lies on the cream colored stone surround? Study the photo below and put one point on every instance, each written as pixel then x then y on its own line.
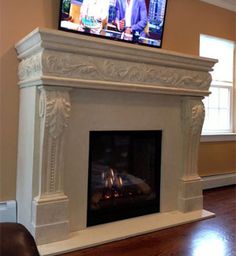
pixel 71 84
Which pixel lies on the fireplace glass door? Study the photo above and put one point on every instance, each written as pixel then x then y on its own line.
pixel 124 175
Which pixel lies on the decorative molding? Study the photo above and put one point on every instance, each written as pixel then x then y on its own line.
pixel 53 54
pixel 198 115
pixel 193 113
pixel 54 112
pixel 190 185
pixel 31 67
pixel 96 68
pixel 42 39
pixel 55 106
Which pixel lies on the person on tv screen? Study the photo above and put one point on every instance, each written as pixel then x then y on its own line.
pixel 94 9
pixel 131 16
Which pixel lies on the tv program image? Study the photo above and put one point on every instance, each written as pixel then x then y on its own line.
pixel 137 21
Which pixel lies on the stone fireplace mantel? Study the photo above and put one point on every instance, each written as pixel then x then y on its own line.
pixel 71 84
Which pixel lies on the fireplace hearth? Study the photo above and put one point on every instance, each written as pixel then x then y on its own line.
pixel 82 98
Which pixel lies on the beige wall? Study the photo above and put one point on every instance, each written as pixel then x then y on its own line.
pixel 185 20
pixel 217 158
pixel 18 18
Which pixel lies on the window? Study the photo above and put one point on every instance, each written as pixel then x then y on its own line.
pixel 219 105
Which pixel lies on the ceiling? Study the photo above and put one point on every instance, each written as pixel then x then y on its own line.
pixel 227 4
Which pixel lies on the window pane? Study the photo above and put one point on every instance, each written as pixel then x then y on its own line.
pixel 220 49
pixel 224 98
pixel 218 105
pixel 224 119
pixel 213 119
pixel 214 98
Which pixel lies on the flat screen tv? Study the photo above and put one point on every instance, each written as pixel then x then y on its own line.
pixel 135 21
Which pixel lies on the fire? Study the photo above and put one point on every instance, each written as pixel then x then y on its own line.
pixel 113 184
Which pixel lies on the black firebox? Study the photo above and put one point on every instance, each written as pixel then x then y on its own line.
pixel 124 175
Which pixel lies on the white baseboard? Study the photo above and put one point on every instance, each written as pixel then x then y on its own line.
pixel 8 211
pixel 219 180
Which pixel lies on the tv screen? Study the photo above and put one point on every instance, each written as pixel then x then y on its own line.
pixel 136 21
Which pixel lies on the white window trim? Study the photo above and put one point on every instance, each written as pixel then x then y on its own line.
pixel 231 119
pixel 227 136
pixel 218 137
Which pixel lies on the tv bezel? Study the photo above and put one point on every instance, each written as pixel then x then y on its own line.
pixel 112 38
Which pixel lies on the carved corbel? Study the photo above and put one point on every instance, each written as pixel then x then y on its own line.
pixel 54 112
pixel 193 113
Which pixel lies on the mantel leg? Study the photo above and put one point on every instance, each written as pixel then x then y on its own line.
pixel 190 192
pixel 50 207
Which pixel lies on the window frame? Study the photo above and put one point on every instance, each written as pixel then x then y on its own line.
pixel 231 103
pixel 208 135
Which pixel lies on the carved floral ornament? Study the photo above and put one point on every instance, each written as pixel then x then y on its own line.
pixel 55 109
pixel 95 68
pixel 198 115
pixel 193 114
pixel 123 71
pixel 31 67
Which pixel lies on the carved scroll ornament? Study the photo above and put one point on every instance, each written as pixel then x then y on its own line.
pixel 193 113
pixel 123 71
pixel 30 68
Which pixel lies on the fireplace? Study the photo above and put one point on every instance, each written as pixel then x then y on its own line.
pixel 124 175
pixel 80 93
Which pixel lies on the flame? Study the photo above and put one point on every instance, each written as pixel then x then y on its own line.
pixel 120 182
pixel 112 173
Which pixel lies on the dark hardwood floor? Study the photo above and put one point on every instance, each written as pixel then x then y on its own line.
pixel 212 237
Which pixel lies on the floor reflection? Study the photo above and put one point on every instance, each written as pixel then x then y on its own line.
pixel 211 237
pixel 209 243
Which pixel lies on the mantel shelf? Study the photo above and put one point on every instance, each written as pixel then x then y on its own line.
pixel 64 59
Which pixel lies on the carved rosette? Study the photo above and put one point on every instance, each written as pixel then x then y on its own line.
pixel 193 113
pixel 54 112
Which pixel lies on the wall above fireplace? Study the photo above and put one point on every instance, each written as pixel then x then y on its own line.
pixel 71 85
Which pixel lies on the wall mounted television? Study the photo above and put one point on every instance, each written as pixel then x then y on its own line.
pixel 134 21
